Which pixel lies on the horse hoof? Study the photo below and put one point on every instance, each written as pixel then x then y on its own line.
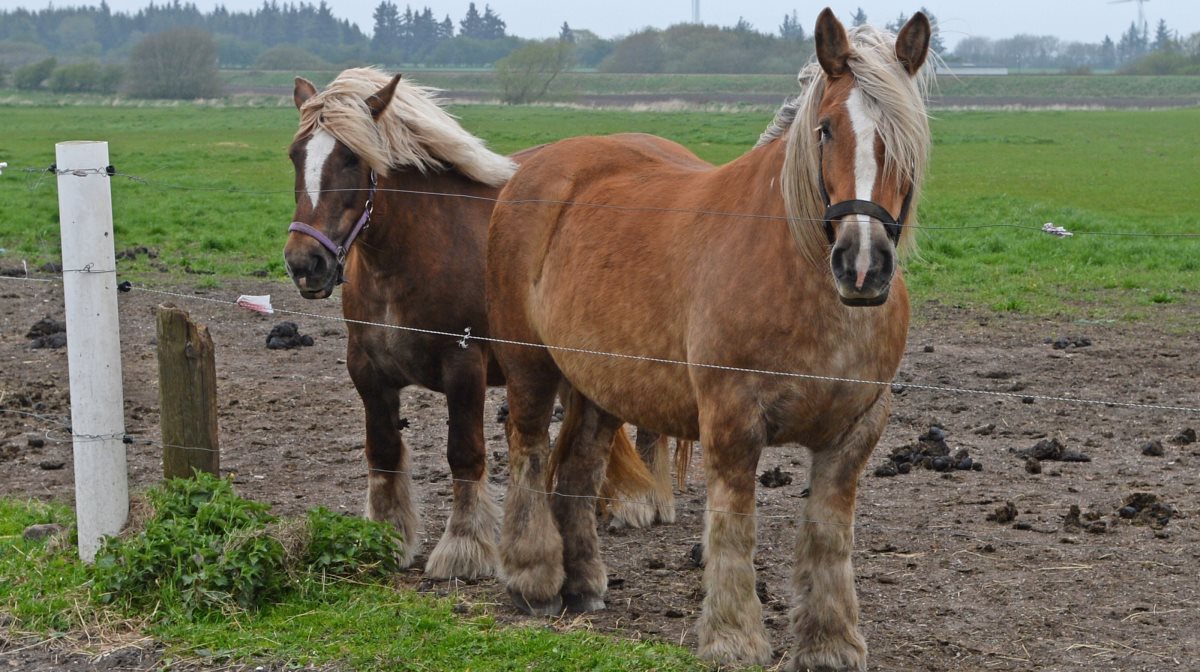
pixel 582 604
pixel 551 606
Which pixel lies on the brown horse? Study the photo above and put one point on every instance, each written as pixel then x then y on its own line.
pixel 596 238
pixel 379 162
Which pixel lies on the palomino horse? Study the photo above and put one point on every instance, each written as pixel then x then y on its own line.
pixel 374 150
pixel 628 244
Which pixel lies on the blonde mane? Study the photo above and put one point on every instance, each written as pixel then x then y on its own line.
pixel 893 98
pixel 413 131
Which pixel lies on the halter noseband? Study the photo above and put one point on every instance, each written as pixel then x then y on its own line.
pixel 840 209
pixel 340 251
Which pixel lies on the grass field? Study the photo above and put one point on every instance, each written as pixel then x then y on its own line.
pixel 216 194
pixel 597 83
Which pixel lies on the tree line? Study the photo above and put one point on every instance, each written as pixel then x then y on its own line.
pixel 88 45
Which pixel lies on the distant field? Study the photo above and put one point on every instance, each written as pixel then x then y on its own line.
pixel 217 197
pixel 593 83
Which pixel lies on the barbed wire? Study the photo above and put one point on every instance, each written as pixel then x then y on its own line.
pixel 112 172
pixel 971 536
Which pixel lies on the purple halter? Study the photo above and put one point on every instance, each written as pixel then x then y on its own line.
pixel 340 251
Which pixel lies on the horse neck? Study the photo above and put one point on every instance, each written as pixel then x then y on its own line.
pixel 413 211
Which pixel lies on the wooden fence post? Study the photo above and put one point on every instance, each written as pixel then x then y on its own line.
pixel 187 392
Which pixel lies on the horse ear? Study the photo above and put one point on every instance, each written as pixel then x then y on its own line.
pixel 833 47
pixel 912 44
pixel 303 91
pixel 378 101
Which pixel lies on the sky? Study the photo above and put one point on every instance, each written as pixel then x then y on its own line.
pixel 1072 20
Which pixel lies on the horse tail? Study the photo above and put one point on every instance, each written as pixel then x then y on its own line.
pixel 683 459
pixel 625 475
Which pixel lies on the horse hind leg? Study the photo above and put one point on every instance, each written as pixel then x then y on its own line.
pixel 389 482
pixel 467 548
pixel 654 503
pixel 824 617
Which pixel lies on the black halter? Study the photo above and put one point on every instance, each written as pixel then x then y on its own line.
pixel 858 207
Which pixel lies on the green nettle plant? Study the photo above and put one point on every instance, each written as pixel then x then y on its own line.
pixel 206 549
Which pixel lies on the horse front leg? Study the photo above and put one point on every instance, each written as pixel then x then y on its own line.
pixel 824 617
pixel 731 627
pixel 389 483
pixel 531 548
pixel 467 549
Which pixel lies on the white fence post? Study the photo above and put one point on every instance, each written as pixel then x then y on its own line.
pixel 93 343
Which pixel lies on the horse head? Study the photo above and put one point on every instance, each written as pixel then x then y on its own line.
pixel 334 193
pixel 865 174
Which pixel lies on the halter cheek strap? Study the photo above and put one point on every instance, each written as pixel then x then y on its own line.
pixel 340 251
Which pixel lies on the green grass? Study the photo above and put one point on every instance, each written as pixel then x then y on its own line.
pixel 218 194
pixel 597 83
pixel 44 594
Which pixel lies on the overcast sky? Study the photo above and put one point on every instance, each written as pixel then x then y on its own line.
pixel 1073 20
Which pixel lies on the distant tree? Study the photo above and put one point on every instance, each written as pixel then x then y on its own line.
pixel 590 48
pixel 1163 40
pixel 1132 45
pixel 471 24
pixel 1108 53
pixel 859 18
pixel 33 75
pixel 936 45
pixel 492 25
pixel 3 74
pixel 180 63
pixel 791 28
pixel 640 52
pixel 386 37
pixel 446 30
pixel 526 74
pixel 896 25
pixel 565 34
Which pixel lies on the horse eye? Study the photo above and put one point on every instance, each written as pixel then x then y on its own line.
pixel 823 133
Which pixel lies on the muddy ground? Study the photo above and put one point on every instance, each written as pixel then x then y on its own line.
pixel 961 569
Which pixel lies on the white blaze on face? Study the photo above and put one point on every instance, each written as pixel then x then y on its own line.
pixel 320 146
pixel 865 172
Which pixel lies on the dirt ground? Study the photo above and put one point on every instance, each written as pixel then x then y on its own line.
pixel 950 577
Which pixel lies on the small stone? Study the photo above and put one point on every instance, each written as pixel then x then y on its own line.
pixel 35 532
pixel 1033 465
pixel 1027 400
pixel 928 348
pixel 1153 449
pixel 36 442
pixel 673 613
pixel 655 563
pixel 904 467
pixel 1097 527
pixel 1127 512
pixel 696 555
pixel 978 466
pixel 1022 526
pixel 941 464
pixel 1185 437
pixel 52 465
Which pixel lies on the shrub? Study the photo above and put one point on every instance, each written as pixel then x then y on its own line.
pixel 3 74
pixel 88 76
pixel 206 549
pixel 179 63
pixel 526 74
pixel 31 76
